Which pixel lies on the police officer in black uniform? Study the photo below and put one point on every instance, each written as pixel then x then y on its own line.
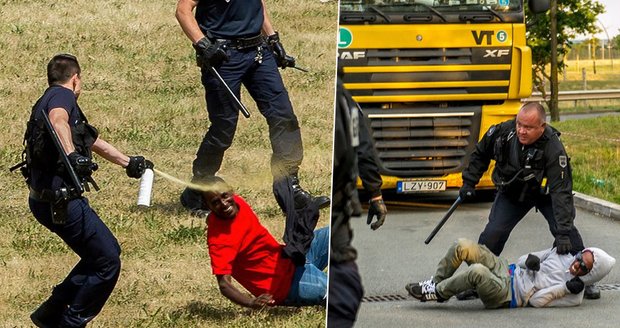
pixel 237 39
pixel 532 170
pixel 353 155
pixel 57 203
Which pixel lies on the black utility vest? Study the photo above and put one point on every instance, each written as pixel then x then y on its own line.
pixel 41 152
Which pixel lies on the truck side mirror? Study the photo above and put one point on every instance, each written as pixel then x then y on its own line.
pixel 538 6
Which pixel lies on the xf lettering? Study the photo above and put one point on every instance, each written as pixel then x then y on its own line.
pixel 496 53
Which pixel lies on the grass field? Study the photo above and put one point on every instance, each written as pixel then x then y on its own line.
pixel 594 147
pixel 593 144
pixel 142 90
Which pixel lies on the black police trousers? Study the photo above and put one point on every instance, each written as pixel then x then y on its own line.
pixel 345 294
pixel 507 212
pixel 88 286
pixel 264 83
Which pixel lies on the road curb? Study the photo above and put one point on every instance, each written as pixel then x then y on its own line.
pixel 597 206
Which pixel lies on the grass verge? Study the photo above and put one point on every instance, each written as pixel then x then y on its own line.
pixel 594 147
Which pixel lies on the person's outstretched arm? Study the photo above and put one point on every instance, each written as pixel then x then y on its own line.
pixel 236 296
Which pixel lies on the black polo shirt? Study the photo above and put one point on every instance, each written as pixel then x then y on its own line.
pixel 230 19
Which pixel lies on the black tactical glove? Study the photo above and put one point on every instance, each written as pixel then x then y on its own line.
pixel 467 192
pixel 209 53
pixel 82 165
pixel 282 59
pixel 377 208
pixel 575 285
pixel 532 262
pixel 137 165
pixel 563 244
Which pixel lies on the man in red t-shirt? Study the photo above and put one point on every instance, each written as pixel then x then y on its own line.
pixel 241 248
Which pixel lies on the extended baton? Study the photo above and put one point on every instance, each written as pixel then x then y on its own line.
pixel 301 69
pixel 444 219
pixel 242 108
pixel 290 62
pixel 65 160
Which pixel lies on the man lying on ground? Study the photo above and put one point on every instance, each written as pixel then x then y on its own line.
pixel 242 249
pixel 541 279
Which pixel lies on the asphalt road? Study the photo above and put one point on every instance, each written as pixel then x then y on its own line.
pixel 396 254
pixel 576 116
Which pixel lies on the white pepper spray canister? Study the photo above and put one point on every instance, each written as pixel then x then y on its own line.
pixel 146 188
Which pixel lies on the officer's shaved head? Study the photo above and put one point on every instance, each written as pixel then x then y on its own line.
pixel 537 107
pixel 530 123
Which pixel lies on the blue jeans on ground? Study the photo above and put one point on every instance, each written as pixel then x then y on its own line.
pixel 88 286
pixel 309 286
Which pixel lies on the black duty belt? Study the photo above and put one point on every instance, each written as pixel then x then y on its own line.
pixel 243 43
pixel 50 196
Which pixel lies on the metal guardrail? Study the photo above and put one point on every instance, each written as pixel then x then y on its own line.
pixel 577 95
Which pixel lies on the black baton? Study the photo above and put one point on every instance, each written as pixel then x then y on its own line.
pixel 444 219
pixel 63 156
pixel 242 108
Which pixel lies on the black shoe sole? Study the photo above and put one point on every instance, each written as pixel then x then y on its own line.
pixel 40 324
pixel 421 298
pixel 190 199
pixel 409 290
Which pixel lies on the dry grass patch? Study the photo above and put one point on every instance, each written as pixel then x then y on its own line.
pixel 142 90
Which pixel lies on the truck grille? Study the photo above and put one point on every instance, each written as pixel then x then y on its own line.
pixel 423 142
pixel 451 74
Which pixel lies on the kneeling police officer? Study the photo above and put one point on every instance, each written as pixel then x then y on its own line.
pixel 532 170
pixel 57 167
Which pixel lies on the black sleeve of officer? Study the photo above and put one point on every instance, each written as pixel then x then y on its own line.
pixel 368 168
pixel 480 158
pixel 560 184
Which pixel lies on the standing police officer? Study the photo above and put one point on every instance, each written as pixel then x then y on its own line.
pixel 237 39
pixel 57 203
pixel 532 170
pixel 353 151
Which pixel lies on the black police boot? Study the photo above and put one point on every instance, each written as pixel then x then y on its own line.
pixel 302 197
pixel 469 294
pixel 48 314
pixel 592 292
pixel 192 200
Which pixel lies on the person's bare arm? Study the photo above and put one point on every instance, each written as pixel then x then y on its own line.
pixel 267 27
pixel 110 153
pixel 185 17
pixel 59 118
pixel 236 296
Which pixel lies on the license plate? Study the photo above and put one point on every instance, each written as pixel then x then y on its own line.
pixel 420 186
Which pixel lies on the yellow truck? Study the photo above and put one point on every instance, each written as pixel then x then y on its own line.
pixel 431 77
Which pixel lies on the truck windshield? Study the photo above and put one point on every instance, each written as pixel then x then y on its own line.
pixel 433 6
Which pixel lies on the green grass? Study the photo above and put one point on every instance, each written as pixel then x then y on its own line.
pixel 593 144
pixel 594 148
pixel 142 90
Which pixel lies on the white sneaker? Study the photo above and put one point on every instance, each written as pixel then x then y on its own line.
pixel 424 291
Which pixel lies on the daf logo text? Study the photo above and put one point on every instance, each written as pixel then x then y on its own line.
pixel 352 55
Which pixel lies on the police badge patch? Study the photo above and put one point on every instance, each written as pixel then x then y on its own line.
pixel 563 161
